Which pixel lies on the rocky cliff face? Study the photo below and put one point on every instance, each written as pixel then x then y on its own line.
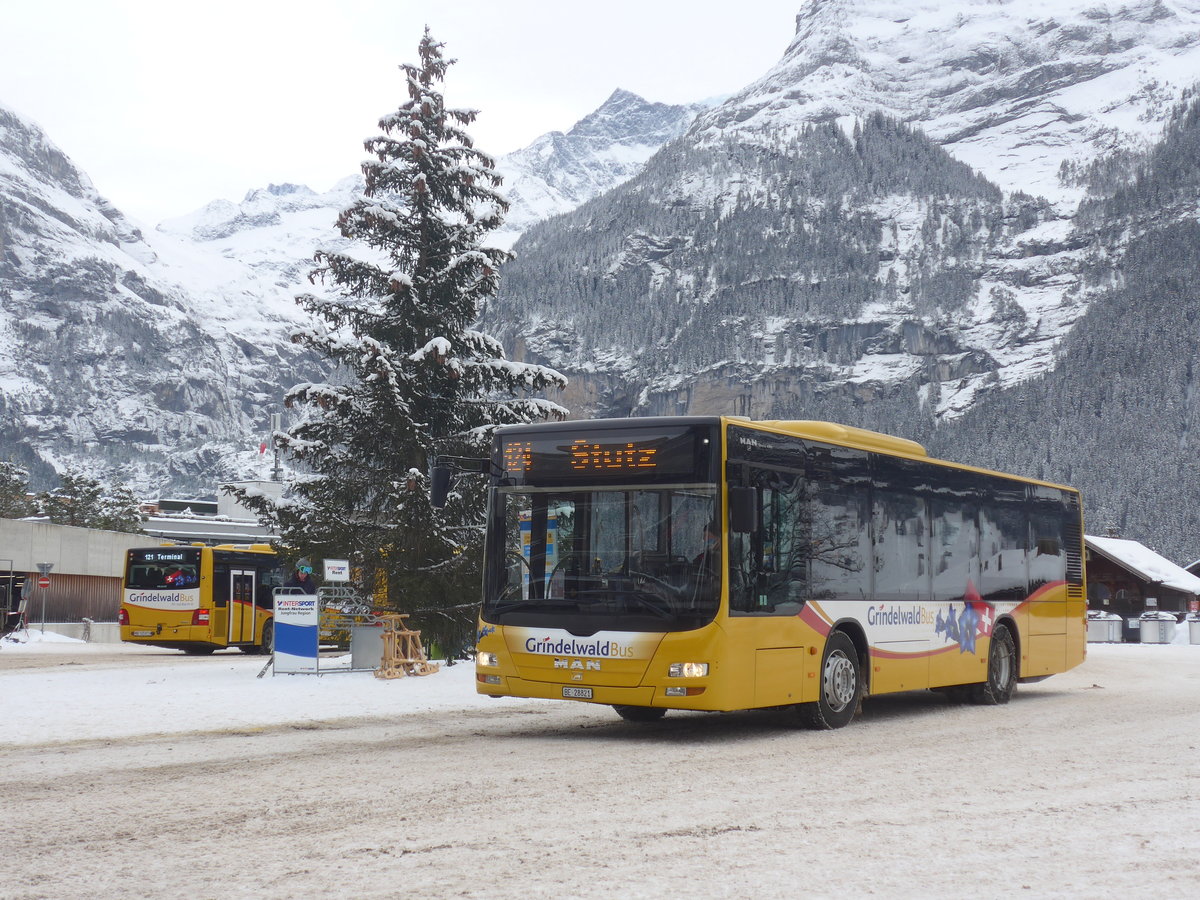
pixel 106 361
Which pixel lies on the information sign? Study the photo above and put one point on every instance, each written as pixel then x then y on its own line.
pixel 337 570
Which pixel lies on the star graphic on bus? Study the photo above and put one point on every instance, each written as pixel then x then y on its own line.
pixel 964 626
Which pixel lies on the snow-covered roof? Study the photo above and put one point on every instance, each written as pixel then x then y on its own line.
pixel 1145 563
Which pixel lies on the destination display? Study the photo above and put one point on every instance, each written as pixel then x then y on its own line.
pixel 164 555
pixel 624 455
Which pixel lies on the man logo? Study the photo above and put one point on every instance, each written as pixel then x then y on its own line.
pixel 586 665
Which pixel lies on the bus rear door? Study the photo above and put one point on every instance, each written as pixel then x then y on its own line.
pixel 241 606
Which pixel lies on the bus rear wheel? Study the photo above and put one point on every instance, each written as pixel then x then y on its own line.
pixel 268 638
pixel 841 686
pixel 640 713
pixel 1002 670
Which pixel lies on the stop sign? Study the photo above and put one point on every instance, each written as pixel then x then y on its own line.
pixel 44 581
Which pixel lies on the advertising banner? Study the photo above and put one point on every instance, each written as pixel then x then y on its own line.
pixel 297 632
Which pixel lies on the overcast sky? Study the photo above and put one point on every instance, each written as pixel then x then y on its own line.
pixel 168 106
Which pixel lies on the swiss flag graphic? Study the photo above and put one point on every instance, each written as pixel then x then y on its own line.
pixel 985 613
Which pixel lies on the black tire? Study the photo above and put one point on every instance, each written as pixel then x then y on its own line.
pixel 201 650
pixel 268 638
pixel 640 713
pixel 1002 670
pixel 841 686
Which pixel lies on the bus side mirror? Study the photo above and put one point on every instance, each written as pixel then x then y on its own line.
pixel 743 510
pixel 439 486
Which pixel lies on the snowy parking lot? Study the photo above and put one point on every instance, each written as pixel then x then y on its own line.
pixel 144 773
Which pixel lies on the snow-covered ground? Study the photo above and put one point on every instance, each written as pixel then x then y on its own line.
pixel 59 689
pixel 140 773
pixel 62 689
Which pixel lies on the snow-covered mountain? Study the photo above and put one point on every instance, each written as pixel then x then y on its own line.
pixel 559 171
pixel 275 229
pixel 134 356
pixel 921 288
pixel 1015 90
pixel 157 357
pixel 916 214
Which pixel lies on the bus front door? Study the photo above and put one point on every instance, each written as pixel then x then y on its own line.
pixel 241 606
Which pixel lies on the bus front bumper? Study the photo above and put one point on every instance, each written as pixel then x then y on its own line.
pixel 641 695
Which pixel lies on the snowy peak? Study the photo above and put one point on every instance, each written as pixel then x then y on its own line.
pixel 628 119
pixel 262 208
pixel 41 184
pixel 1013 90
pixel 559 171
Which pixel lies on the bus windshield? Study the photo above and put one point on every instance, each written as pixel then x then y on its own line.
pixel 166 569
pixel 623 559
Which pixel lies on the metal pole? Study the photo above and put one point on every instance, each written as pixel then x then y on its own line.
pixel 44 568
pixel 276 421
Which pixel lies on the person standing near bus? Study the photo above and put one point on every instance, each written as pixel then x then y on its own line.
pixel 302 578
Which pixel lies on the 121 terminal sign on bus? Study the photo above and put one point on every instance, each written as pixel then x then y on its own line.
pixel 715 563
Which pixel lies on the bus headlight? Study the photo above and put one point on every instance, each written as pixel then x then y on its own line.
pixel 687 670
pixel 487 659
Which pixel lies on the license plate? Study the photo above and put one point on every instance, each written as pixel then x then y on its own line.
pixel 143 634
pixel 576 693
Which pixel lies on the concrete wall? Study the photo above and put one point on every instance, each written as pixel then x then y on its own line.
pixel 96 633
pixel 74 551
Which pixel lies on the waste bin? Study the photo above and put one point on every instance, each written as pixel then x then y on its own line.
pixel 1105 627
pixel 1193 621
pixel 1157 627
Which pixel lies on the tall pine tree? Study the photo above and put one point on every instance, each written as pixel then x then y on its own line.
pixel 412 378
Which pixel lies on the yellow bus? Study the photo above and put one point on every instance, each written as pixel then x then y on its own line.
pixel 718 563
pixel 200 599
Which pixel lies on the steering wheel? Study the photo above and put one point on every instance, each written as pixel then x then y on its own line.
pixel 664 603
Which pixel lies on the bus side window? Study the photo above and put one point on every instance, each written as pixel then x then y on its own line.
pixel 901 546
pixel 955 542
pixel 1048 558
pixel 220 590
pixel 840 541
pixel 1003 535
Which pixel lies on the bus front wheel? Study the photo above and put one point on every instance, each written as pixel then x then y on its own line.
pixel 841 685
pixel 1002 670
pixel 640 713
